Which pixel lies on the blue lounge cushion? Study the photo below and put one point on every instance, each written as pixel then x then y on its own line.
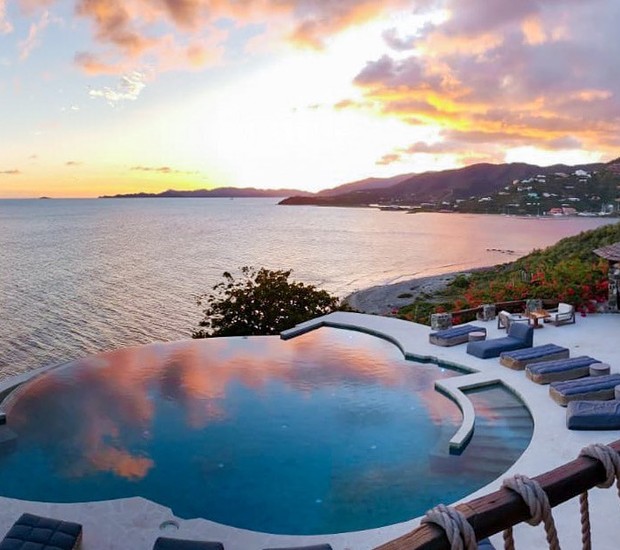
pixel 457 331
pixel 593 415
pixel 165 543
pixel 562 369
pixel 519 336
pixel 519 359
pixel 454 335
pixel 32 532
pixel 598 388
pixel 535 352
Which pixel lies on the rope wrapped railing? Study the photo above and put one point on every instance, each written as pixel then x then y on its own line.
pixel 498 511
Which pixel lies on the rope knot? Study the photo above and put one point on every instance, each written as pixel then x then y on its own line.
pixel 538 504
pixel 458 530
pixel 608 458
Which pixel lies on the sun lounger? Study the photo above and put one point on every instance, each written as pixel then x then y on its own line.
pixel 41 533
pixel 556 371
pixel 315 547
pixel 519 336
pixel 593 415
pixel 592 388
pixel 165 543
pixel 453 336
pixel 519 359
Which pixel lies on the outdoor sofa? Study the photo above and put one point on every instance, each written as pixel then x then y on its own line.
pixel 519 359
pixel 41 533
pixel 519 336
pixel 563 369
pixel 454 335
pixel 593 415
pixel 592 388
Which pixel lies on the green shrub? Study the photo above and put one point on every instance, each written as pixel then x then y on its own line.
pixel 260 301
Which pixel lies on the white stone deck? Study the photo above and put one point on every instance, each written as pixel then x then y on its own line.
pixel 135 523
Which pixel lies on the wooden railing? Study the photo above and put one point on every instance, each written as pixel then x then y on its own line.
pixel 513 306
pixel 497 511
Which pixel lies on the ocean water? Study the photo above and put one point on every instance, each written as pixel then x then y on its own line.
pixel 83 276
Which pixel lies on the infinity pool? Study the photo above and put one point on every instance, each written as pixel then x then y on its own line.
pixel 332 431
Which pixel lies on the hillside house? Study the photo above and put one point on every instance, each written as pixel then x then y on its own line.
pixel 611 253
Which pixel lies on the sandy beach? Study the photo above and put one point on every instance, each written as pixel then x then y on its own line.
pixel 382 299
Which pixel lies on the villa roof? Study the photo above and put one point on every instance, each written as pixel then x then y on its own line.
pixel 611 252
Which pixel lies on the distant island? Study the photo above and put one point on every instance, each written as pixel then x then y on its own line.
pixel 219 192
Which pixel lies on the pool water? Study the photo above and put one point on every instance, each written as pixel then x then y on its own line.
pixel 332 431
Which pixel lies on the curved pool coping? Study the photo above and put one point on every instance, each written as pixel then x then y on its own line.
pixel 135 522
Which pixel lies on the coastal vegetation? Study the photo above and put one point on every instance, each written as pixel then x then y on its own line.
pixel 260 301
pixel 568 271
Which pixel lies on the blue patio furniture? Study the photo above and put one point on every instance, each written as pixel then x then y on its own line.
pixel 519 336
pixel 593 415
pixel 592 388
pixel 519 359
pixel 453 336
pixel 557 371
pixel 165 543
pixel 41 533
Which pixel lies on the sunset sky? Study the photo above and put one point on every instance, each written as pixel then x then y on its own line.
pixel 117 96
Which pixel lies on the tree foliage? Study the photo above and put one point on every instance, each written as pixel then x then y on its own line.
pixel 259 301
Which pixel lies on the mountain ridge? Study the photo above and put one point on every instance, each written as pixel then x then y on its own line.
pixel 472 180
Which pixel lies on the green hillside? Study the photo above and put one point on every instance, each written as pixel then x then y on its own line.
pixel 567 272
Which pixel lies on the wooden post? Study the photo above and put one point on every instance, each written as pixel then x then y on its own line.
pixel 497 511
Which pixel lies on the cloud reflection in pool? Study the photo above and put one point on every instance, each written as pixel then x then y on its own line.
pixel 328 432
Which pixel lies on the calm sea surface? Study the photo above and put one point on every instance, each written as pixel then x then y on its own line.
pixel 82 276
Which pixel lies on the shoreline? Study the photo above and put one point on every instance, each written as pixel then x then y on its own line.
pixel 383 299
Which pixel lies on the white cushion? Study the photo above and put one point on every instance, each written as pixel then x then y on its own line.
pixel 564 308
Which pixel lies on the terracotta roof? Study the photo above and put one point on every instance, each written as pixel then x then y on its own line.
pixel 611 252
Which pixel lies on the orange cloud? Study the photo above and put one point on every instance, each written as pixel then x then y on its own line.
pixel 114 24
pixel 137 31
pixel 389 158
pixel 492 77
pixel 92 64
pixel 319 19
pixel 533 31
pixel 159 170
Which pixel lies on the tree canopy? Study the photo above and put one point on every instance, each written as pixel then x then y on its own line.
pixel 259 301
